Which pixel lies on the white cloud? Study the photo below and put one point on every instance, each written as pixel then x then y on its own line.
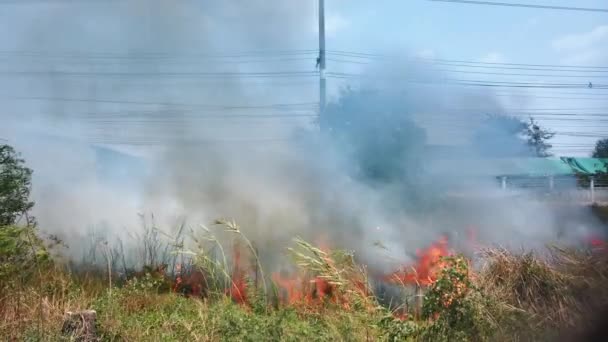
pixel 493 57
pixel 583 48
pixel 425 53
pixel 582 40
pixel 334 24
pixel 532 22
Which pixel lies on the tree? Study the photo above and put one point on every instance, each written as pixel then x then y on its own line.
pixel 601 149
pixel 15 184
pixel 538 138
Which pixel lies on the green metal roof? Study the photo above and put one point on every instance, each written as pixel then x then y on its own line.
pixel 534 167
pixel 520 167
pixel 587 166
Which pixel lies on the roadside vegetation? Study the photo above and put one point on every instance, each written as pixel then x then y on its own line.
pixel 509 297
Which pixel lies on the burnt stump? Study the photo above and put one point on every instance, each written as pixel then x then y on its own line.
pixel 80 325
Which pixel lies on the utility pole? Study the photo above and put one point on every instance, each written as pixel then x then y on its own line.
pixel 321 64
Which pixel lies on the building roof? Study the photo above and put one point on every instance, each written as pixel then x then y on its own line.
pixel 518 167
pixel 587 166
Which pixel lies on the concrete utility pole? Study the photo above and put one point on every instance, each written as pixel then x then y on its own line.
pixel 321 63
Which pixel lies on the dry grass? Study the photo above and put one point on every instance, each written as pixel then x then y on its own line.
pixel 554 291
pixel 38 306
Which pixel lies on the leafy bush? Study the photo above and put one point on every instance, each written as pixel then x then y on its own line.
pixel 456 306
pixel 21 254
pixel 395 329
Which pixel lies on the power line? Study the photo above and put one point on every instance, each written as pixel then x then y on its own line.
pixel 147 62
pixel 583 68
pixel 525 75
pixel 556 97
pixel 156 55
pixel 128 117
pixel 279 74
pixel 482 83
pixel 508 4
pixel 280 106
pixel 281 55
pixel 367 55
pixel 183 141
pixel 54 2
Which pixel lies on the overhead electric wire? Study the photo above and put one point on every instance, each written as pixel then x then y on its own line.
pixel 519 74
pixel 524 5
pixel 146 141
pixel 124 62
pixel 519 66
pixel 149 118
pixel 155 55
pixel 481 83
pixel 282 53
pixel 533 109
pixel 521 85
pixel 104 120
pixel 366 55
pixel 168 104
pixel 55 2
pixel 554 97
pixel 279 74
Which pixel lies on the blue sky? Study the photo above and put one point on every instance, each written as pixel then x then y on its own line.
pixel 460 31
pixel 493 34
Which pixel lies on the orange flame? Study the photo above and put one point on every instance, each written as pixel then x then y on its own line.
pixel 300 290
pixel 292 286
pixel 238 288
pixel 427 268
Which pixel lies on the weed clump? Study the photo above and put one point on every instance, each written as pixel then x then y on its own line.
pixel 546 294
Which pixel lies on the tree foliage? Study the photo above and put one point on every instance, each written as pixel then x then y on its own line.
pixel 601 149
pixel 537 138
pixel 15 184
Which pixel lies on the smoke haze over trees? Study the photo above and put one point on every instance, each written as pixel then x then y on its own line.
pixel 507 136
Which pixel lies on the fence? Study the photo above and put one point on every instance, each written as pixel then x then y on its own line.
pixel 558 188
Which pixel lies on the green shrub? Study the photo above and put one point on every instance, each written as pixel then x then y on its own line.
pixel 458 310
pixel 395 329
pixel 22 254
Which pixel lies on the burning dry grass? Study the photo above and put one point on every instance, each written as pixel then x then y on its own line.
pixel 327 296
pixel 336 277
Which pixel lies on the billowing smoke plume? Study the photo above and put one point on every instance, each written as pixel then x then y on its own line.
pixel 210 144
